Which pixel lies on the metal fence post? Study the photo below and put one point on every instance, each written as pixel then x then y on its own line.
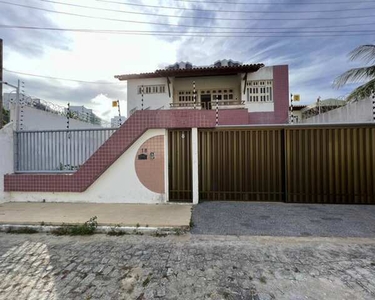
pixel 15 151
pixel 291 109
pixel 217 111
pixel 194 96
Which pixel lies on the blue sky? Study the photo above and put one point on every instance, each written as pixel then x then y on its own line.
pixel 314 62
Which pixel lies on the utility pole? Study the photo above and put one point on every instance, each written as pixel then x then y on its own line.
pixel 1 85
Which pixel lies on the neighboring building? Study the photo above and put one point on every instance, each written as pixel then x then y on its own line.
pixel 7 99
pixel 322 106
pixel 84 114
pixel 262 91
pixel 117 121
pixel 352 112
pixel 297 113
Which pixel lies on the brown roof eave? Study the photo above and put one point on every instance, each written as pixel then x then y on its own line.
pixel 205 71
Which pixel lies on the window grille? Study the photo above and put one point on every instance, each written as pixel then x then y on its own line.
pixel 259 91
pixel 152 89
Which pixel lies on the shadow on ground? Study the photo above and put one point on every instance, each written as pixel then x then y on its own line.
pixel 281 219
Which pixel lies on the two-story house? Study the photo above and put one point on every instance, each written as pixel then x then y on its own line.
pixel 263 91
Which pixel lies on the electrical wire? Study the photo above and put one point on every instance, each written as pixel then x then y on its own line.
pixel 156 32
pixel 206 34
pixel 198 9
pixel 57 78
pixel 277 3
pixel 178 25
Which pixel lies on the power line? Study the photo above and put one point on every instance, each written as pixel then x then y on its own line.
pixel 57 78
pixel 277 3
pixel 117 31
pixel 213 35
pixel 196 9
pixel 177 25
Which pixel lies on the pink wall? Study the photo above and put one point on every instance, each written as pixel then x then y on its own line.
pixel 281 98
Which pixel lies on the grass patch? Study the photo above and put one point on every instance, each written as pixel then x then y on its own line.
pixel 116 231
pixel 178 231
pixel 263 279
pixel 136 232
pixel 88 228
pixel 21 230
pixel 159 234
pixel 146 281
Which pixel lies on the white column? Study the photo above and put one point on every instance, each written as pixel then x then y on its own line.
pixel 166 168
pixel 194 153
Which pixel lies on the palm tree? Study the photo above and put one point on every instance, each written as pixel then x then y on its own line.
pixel 366 53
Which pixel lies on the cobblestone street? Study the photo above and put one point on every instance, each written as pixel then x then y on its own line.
pixel 185 267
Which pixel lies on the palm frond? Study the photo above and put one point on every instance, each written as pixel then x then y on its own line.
pixel 363 52
pixel 362 92
pixel 354 76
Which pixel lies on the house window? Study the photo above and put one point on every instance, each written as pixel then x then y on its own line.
pixel 259 91
pixel 185 96
pixel 152 89
pixel 222 94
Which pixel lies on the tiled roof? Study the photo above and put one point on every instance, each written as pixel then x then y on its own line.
pixel 197 71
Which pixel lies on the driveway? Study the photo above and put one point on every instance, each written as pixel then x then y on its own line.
pixel 282 219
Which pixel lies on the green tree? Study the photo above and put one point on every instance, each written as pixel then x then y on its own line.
pixel 5 116
pixel 365 75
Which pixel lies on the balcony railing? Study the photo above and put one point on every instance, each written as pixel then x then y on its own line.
pixel 208 105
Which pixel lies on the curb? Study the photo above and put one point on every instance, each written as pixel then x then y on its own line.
pixel 99 230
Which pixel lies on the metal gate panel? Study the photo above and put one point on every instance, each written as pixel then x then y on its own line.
pixel 241 164
pixel 333 164
pixel 180 165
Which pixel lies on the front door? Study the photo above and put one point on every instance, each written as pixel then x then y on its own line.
pixel 206 101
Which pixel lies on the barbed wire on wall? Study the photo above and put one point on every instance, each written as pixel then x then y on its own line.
pixel 40 104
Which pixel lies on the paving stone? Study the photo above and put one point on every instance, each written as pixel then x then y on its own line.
pixel 186 267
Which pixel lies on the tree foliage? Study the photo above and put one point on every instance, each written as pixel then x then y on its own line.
pixel 365 53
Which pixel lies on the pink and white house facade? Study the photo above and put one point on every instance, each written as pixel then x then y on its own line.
pixel 262 91
pixel 132 165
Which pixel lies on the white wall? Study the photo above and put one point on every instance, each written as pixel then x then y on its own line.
pixel 265 73
pixel 360 111
pixel 154 101
pixel 118 184
pixel 6 157
pixel 35 119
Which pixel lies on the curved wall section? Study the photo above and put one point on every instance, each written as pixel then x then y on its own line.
pixel 149 164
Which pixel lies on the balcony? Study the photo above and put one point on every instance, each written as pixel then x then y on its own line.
pixel 222 104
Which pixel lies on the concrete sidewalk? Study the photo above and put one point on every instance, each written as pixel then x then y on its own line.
pixel 153 215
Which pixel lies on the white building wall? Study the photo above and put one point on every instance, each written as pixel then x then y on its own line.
pixel 360 111
pixel 265 73
pixel 118 184
pixel 162 101
pixel 151 101
pixel 35 119
pixel 6 157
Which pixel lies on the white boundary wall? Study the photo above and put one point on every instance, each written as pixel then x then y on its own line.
pixel 36 119
pixel 118 184
pixel 6 157
pixel 360 111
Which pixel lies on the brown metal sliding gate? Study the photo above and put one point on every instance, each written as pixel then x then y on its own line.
pixel 180 171
pixel 241 164
pixel 331 164
pixel 301 164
